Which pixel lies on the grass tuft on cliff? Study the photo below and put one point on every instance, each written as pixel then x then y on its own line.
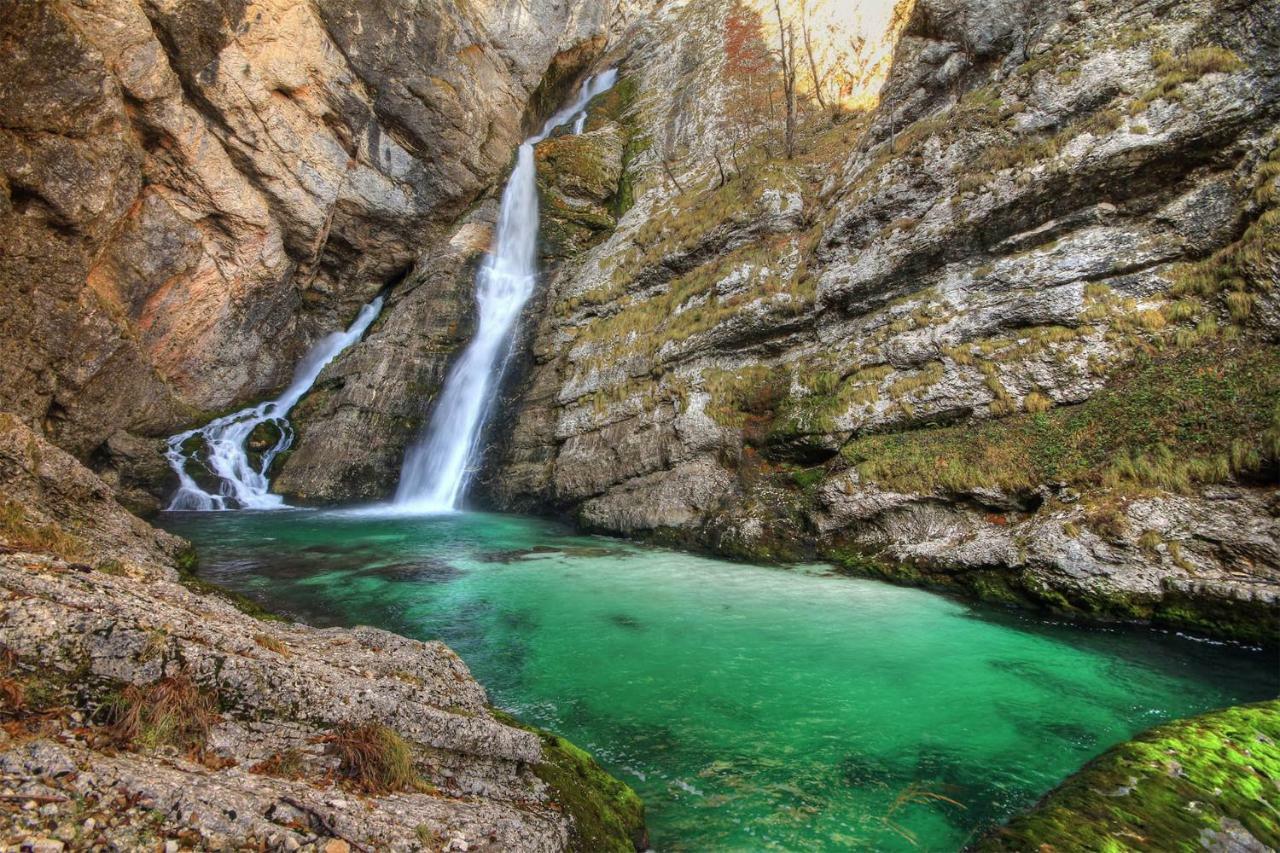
pixel 170 712
pixel 1190 785
pixel 19 533
pixel 374 759
pixel 608 817
pixel 1184 418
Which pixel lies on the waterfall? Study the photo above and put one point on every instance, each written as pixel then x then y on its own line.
pixel 244 485
pixel 438 466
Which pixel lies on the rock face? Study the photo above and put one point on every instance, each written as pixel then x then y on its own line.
pixel 197 190
pixel 50 500
pixel 138 709
pixel 1012 332
pixel 378 395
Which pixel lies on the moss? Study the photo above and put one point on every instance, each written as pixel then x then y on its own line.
pixel 808 478
pixel 1241 621
pixel 1251 621
pixel 1169 424
pixel 607 815
pixel 1167 789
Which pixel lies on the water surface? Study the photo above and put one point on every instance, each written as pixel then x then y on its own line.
pixel 753 708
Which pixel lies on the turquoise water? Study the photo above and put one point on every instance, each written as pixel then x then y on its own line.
pixel 753 708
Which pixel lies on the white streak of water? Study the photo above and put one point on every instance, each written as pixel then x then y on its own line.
pixel 438 467
pixel 244 485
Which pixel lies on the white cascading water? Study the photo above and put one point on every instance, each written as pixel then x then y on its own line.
pixel 244 485
pixel 438 466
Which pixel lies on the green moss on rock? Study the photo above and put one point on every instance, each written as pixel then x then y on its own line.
pixel 1198 416
pixel 1190 785
pixel 607 815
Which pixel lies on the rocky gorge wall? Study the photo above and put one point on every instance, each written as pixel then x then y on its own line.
pixel 195 191
pixel 1013 332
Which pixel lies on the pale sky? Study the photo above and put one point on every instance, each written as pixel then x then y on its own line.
pixel 837 26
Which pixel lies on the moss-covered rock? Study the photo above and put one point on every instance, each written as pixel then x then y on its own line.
pixel 1212 782
pixel 577 181
pixel 607 815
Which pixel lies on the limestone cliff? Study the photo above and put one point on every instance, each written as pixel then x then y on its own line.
pixel 1012 332
pixel 194 191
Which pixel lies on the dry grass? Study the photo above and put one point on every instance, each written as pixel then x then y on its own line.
pixel 272 644
pixel 289 764
pixel 19 533
pixel 1178 69
pixel 374 759
pixel 171 712
pixel 13 693
pixel 1037 402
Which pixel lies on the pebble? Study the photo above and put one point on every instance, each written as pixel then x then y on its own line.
pixel 171 846
pixel 335 845
pixel 42 845
pixel 90 824
pixel 291 844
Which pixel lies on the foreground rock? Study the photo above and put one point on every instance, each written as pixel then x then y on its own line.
pixel 1211 782
pixel 138 709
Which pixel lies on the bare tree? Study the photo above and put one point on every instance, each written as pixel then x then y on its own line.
pixel 787 60
pixel 819 80
pixel 666 167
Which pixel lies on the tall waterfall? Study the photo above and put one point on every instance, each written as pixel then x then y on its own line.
pixel 244 485
pixel 438 467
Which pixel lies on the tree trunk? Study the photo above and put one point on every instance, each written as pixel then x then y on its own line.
pixel 787 57
pixel 808 49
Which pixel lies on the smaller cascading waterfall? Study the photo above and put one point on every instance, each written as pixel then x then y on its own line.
pixel 224 442
pixel 438 467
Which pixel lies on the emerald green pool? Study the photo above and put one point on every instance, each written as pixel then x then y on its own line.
pixel 753 708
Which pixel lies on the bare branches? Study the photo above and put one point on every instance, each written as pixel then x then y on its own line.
pixel 786 55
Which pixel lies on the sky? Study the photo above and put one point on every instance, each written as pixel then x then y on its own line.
pixel 852 40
